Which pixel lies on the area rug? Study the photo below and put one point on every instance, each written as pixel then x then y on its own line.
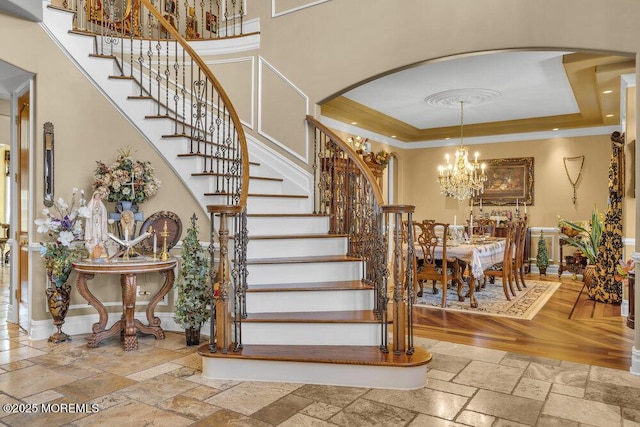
pixel 491 300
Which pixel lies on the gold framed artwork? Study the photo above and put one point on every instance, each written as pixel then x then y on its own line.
pixel 170 6
pixel 510 181
pixel 211 22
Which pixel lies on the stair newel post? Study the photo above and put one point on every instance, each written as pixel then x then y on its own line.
pixel 402 305
pixel 212 278
pixel 381 278
pixel 222 282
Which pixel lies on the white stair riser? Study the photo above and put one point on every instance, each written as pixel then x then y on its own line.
pixel 263 226
pixel 277 205
pixel 349 375
pixel 269 274
pixel 293 301
pixel 310 333
pixel 264 186
pixel 265 248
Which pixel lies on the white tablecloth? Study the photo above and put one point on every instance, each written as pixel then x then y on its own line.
pixel 478 255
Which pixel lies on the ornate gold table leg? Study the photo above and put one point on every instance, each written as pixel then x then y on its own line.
pixel 128 283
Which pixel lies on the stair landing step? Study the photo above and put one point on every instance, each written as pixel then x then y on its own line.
pixel 350 355
pixel 351 316
pixel 286 215
pixel 307 259
pixel 297 236
pixel 346 285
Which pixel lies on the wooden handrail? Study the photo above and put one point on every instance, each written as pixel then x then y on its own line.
pixel 362 166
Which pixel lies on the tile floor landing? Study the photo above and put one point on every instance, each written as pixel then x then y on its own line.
pixel 161 385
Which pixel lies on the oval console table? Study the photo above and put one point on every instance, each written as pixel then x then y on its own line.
pixel 128 271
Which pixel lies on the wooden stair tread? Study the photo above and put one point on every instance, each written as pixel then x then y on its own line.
pixel 213 157
pixel 286 215
pixel 312 286
pixel 346 316
pixel 263 178
pixel 121 77
pixel 343 354
pixel 305 259
pixel 289 196
pixel 297 236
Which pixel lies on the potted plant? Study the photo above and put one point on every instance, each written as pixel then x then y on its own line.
pixel 192 285
pixel 542 258
pixel 585 236
pixel 63 225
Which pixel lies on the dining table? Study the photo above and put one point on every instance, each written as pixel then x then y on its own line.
pixel 477 254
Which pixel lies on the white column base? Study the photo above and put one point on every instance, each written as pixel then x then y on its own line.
pixel 635 361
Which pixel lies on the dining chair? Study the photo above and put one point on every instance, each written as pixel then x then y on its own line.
pixel 520 256
pixel 4 238
pixel 504 268
pixel 431 249
pixel 484 226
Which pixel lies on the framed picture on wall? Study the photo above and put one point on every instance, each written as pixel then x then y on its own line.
pixel 212 22
pixel 508 180
pixel 170 6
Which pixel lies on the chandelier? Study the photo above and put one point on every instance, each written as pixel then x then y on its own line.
pixel 461 179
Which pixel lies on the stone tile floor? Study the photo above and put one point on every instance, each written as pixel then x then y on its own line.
pixel 161 384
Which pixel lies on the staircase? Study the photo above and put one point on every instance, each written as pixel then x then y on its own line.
pixel 309 314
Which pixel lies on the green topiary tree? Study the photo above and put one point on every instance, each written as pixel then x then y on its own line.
pixel 542 258
pixel 192 285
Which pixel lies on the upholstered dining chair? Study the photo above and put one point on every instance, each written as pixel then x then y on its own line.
pixel 504 268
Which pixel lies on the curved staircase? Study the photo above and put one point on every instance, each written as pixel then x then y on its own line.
pixel 310 312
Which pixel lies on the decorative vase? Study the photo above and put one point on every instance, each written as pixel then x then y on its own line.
pixel 192 335
pixel 58 300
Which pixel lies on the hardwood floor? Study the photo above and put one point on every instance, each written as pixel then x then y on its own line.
pixel 591 334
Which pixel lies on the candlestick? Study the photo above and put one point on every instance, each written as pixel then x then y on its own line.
pixel 525 208
pixel 165 233
pixel 471 227
pixel 455 221
pixel 480 204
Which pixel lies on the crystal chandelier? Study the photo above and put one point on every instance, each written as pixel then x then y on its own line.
pixel 462 179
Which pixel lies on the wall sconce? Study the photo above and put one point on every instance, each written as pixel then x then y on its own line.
pixel 48 163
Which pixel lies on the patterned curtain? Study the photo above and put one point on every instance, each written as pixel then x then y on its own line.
pixel 605 287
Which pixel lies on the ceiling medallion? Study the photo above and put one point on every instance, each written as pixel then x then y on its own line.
pixel 469 96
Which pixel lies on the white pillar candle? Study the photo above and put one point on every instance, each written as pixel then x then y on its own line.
pixel 126 234
pixel 155 243
pixel 525 207
pixel 455 222
pixel 516 204
pixel 471 227
pixel 480 203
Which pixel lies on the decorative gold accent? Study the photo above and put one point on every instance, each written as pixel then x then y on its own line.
pixel 573 183
pixel 164 234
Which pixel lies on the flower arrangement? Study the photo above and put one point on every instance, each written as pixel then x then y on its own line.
pixel 584 235
pixel 63 224
pixel 382 157
pixel 623 268
pixel 358 143
pixel 126 179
